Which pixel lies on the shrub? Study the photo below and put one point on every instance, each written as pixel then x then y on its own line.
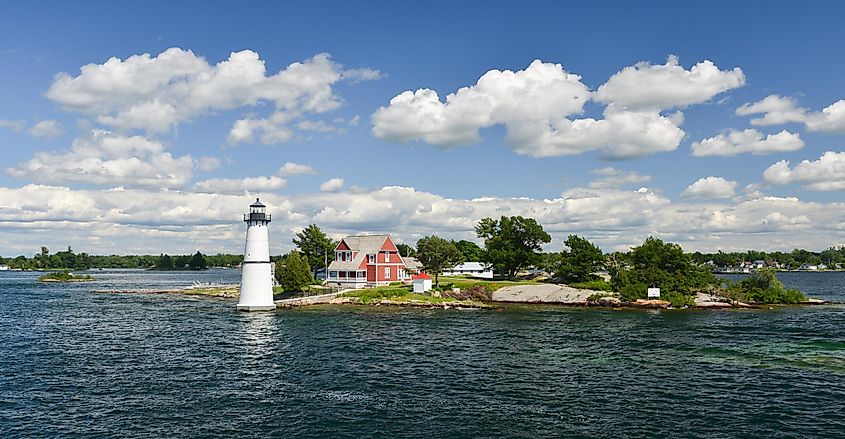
pixel 762 286
pixel 477 293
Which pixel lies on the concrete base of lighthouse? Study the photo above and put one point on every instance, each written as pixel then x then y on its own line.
pixel 257 307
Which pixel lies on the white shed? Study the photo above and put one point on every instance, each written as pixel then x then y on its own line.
pixel 422 283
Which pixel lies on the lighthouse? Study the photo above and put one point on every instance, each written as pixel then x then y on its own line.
pixel 256 278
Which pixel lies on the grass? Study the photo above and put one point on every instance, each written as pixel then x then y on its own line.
pixel 64 276
pixel 397 294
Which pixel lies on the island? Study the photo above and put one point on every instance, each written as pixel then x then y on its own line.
pixel 65 276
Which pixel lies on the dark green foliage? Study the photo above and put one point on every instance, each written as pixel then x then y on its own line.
pixel 657 264
pixel 198 262
pixel 406 250
pixel 64 276
pixel 164 262
pixel 293 272
pixel 763 286
pixel 579 262
pixel 511 243
pixel 437 254
pixel 68 260
pixel 316 246
pixel 470 250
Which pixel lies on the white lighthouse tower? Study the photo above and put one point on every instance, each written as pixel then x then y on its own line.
pixel 256 278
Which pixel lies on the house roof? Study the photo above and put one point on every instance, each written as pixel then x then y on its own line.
pixel 364 245
pixel 257 204
pixel 412 263
pixel 421 276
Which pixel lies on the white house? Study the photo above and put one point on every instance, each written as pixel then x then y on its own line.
pixel 472 269
pixel 4 268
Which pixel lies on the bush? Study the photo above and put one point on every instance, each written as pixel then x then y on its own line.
pixel 762 286
pixel 632 292
pixel 293 272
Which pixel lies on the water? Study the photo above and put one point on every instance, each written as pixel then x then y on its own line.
pixel 77 363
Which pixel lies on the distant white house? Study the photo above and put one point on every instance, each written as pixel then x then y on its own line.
pixel 809 267
pixel 473 269
pixel 4 268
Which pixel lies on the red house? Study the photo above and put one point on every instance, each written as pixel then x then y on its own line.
pixel 367 260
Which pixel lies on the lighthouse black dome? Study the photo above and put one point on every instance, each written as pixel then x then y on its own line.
pixel 257 204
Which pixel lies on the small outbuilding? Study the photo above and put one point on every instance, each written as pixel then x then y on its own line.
pixel 422 283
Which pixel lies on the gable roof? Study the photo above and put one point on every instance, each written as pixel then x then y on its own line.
pixel 362 244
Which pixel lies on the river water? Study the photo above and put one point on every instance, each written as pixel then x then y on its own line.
pixel 82 364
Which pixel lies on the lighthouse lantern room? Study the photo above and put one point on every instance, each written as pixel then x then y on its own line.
pixel 256 278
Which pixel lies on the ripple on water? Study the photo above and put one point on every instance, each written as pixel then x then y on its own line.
pixel 78 363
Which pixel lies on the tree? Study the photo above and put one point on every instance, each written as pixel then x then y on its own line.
pixel 293 272
pixel 406 250
pixel 197 262
pixel 658 264
pixel 164 262
pixel 437 254
pixel 316 246
pixel 511 243
pixel 470 250
pixel 580 262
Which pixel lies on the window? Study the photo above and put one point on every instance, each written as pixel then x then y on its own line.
pixel 386 256
pixel 386 272
pixel 348 256
pixel 372 258
pixel 333 274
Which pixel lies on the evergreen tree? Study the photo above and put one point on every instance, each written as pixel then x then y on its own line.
pixel 197 262
pixel 316 246
pixel 293 272
pixel 406 250
pixel 164 262
pixel 580 262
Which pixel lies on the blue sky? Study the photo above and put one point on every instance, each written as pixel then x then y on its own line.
pixel 379 50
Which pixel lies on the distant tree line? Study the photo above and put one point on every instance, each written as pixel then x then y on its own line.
pixel 793 259
pixel 69 260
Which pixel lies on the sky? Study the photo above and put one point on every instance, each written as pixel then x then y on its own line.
pixel 145 128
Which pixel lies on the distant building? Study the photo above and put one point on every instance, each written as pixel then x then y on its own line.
pixel 808 267
pixel 422 283
pixel 4 268
pixel 413 264
pixel 367 261
pixel 473 269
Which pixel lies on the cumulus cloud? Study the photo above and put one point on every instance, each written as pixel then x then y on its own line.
pixel 615 178
pixel 46 128
pixel 155 93
pixel 830 120
pixel 825 174
pixel 747 141
pixel 332 185
pixel 776 110
pixel 290 169
pixel 536 106
pixel 133 220
pixel 243 185
pixel 645 86
pixel 106 158
pixel 710 187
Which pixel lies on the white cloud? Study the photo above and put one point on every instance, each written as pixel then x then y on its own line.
pixel 14 125
pixel 155 93
pixel 645 86
pixel 776 110
pixel 535 106
pixel 825 174
pixel 614 178
pixel 332 185
pixel 830 120
pixel 710 187
pixel 46 128
pixel 105 158
pixel 747 141
pixel 243 185
pixel 151 221
pixel 290 169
